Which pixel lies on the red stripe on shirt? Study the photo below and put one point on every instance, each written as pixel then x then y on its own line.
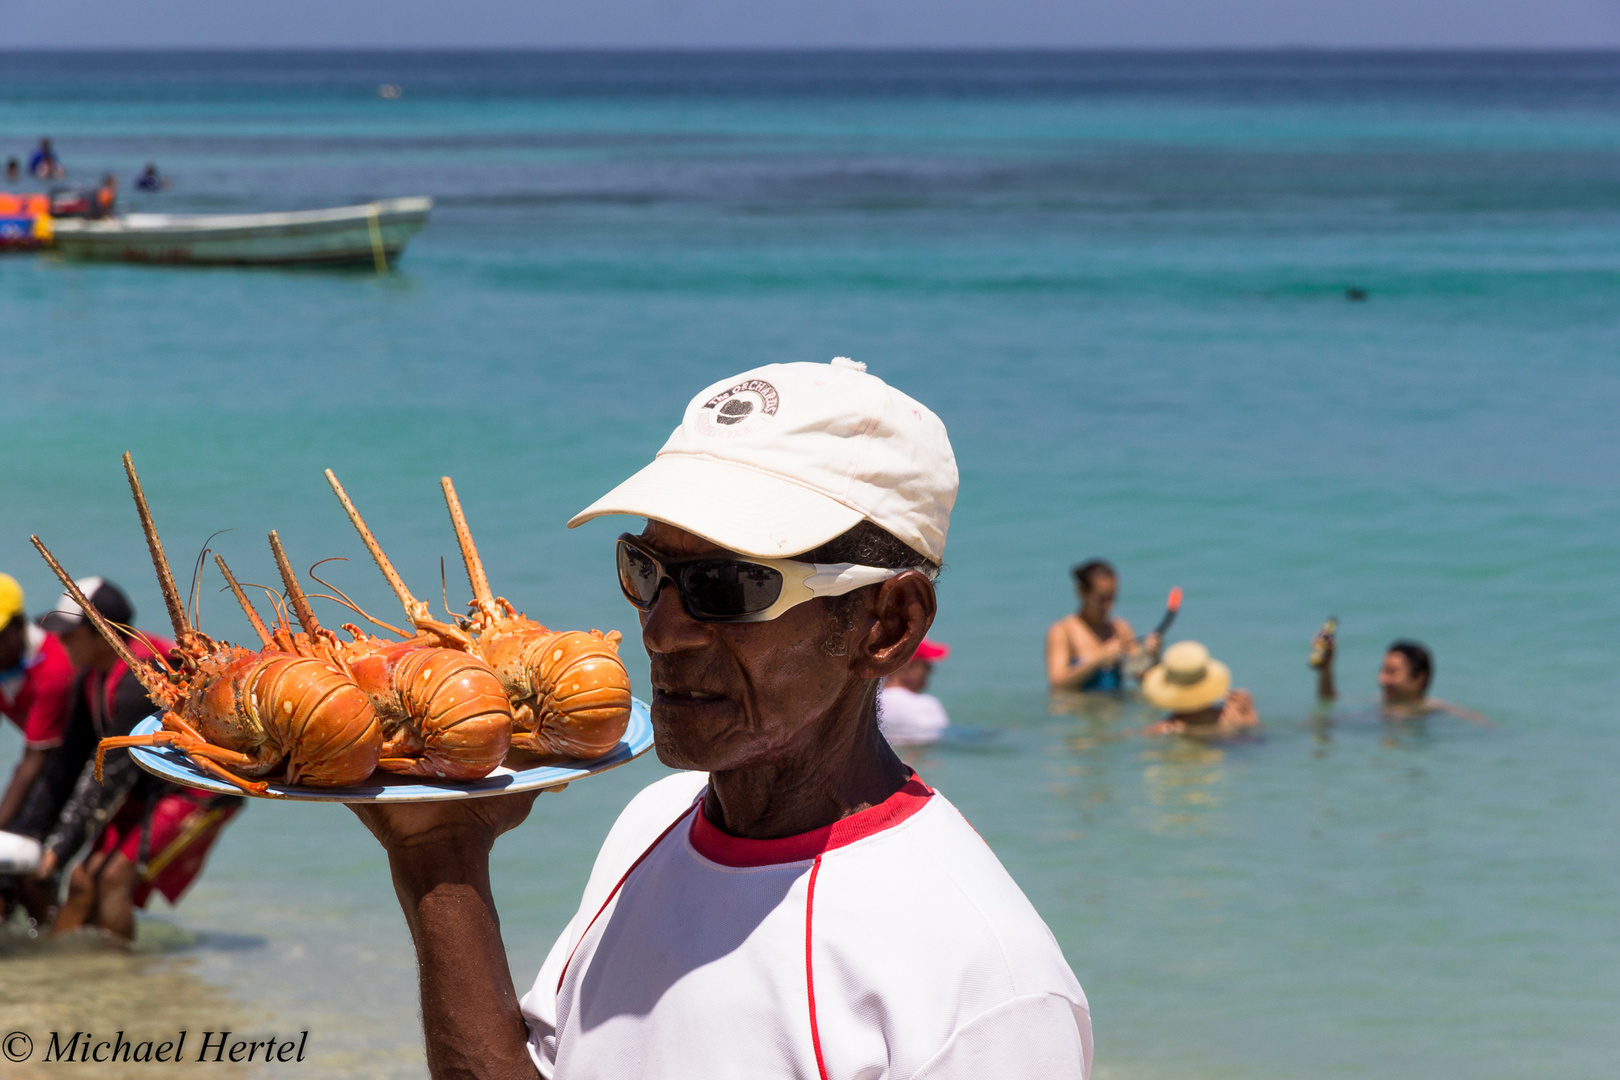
pixel 615 892
pixel 718 846
pixel 810 967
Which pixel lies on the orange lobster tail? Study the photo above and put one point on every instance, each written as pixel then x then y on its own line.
pixel 578 704
pixel 444 711
pixel 325 723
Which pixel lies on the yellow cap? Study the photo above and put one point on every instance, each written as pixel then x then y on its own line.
pixel 11 600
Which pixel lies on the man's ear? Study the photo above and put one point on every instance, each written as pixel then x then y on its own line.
pixel 899 615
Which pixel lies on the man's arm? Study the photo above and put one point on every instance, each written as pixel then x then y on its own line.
pixel 438 854
pixel 22 779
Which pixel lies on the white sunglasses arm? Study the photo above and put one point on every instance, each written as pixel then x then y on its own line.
pixel 836 579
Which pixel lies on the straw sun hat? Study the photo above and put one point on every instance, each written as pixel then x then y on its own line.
pixel 1187 679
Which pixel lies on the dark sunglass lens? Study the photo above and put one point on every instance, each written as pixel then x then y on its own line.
pixel 638 575
pixel 727 588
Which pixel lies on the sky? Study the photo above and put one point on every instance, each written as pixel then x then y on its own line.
pixel 811 23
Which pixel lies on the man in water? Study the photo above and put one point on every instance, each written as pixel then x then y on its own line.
pixel 907 714
pixel 1196 689
pixel 150 180
pixel 1403 681
pixel 799 903
pixel 143 835
pixel 1088 650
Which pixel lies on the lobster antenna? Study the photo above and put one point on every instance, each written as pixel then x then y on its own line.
pixel 160 562
pixel 295 595
pixel 344 599
pixel 412 607
pixel 194 600
pixel 469 553
pixel 158 688
pixel 241 598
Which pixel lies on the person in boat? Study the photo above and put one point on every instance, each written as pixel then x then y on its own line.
pixel 43 164
pixel 102 202
pixel 1089 649
pixel 150 179
pixel 907 714
pixel 1196 690
pixel 1404 677
pixel 796 901
pixel 141 834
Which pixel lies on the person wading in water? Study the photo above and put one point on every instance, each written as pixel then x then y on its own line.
pixel 1087 650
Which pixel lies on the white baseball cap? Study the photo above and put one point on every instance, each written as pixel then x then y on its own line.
pixel 784 458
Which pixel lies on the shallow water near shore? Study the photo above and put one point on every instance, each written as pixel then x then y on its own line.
pixel 1122 282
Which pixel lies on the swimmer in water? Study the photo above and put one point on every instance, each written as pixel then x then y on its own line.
pixel 1195 689
pixel 1087 650
pixel 1403 681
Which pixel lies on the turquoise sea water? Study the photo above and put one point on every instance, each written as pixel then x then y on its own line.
pixel 1121 282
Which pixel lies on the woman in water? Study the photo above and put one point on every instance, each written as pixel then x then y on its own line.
pixel 1088 650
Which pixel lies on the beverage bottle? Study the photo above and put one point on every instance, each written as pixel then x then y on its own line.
pixel 1323 639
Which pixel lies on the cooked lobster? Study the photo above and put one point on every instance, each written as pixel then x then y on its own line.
pixel 241 715
pixel 569 690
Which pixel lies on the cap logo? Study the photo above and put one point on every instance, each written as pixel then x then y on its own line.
pixel 738 408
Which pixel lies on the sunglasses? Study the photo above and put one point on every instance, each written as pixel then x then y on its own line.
pixel 736 590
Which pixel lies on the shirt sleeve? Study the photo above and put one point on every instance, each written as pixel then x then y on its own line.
pixel 1035 1037
pixel 51 699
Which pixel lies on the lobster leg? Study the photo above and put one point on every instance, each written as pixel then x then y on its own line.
pixel 205 756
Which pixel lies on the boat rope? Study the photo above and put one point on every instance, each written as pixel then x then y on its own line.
pixel 378 255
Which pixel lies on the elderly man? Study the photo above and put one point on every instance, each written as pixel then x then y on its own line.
pixel 799 903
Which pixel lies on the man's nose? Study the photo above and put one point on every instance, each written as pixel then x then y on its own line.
pixel 667 628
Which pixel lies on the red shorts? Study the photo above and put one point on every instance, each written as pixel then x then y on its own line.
pixel 183 827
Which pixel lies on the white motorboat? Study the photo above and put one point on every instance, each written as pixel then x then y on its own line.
pixel 373 234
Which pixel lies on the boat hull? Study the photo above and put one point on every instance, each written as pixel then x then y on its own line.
pixel 346 236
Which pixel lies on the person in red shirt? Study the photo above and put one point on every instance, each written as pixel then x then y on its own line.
pixel 36 691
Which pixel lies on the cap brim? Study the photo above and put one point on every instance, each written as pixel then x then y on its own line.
pixel 1205 692
pixel 740 509
pixel 59 622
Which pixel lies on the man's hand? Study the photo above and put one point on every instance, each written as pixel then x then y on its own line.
pixel 1239 714
pixel 407 827
pixel 47 866
pixel 1151 643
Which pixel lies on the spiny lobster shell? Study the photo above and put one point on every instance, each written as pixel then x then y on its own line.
pixel 443 711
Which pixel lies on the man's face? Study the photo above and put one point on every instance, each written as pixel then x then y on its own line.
pixel 727 695
pixel 1100 597
pixel 1397 681
pixel 84 646
pixel 13 639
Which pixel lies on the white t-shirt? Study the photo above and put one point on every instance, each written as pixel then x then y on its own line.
pixel 891 945
pixel 909 717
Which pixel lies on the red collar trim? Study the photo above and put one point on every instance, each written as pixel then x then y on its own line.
pixel 727 850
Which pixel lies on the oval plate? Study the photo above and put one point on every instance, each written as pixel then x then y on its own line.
pixel 382 787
